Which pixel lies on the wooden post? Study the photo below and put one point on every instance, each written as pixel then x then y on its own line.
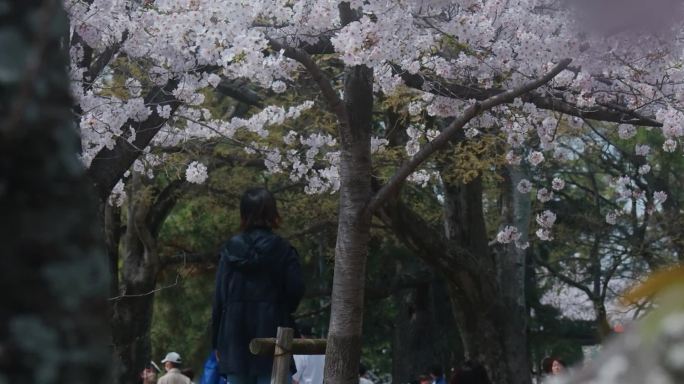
pixel 282 356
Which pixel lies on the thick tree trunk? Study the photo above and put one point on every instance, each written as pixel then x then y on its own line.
pixel 53 326
pixel 132 309
pixel 511 262
pixel 131 333
pixel 131 324
pixel 344 333
pixel 424 332
pixel 479 323
pixel 488 303
pixel 412 347
pixel 598 300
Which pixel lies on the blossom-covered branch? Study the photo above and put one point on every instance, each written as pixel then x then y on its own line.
pixel 552 101
pixel 109 165
pixel 453 128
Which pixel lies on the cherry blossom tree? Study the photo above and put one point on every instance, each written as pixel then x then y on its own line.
pixel 142 71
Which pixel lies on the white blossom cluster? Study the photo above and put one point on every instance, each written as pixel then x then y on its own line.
pixel 196 173
pixel 558 184
pixel 545 220
pixel 118 195
pixel 629 195
pixel 511 234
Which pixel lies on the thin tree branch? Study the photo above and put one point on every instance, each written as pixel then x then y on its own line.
pixel 604 111
pixel 560 276
pixel 331 96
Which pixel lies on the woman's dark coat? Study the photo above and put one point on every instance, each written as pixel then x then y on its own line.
pixel 258 285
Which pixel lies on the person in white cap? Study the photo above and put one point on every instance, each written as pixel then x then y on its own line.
pixel 172 363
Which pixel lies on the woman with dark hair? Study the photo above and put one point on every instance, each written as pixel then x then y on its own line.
pixel 553 366
pixel 471 372
pixel 557 366
pixel 258 286
pixel 258 208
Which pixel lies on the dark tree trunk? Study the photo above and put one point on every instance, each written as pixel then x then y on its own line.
pixel 344 333
pixel 602 325
pixel 424 331
pixel 475 280
pixel 487 293
pixel 512 267
pixel 131 326
pixel 132 309
pixel 132 301
pixel 473 287
pixel 479 323
pixel 53 269
pixel 412 348
pixel 112 232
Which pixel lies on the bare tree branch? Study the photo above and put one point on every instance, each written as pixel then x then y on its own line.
pixel 558 274
pixel 604 112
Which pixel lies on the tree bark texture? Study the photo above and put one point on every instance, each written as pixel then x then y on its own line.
pixel 424 331
pixel 512 267
pixel 413 335
pixel 487 295
pixel 473 286
pixel 53 268
pixel 344 334
pixel 132 309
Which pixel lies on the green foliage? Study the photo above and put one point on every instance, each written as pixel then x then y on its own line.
pixel 182 315
pixel 472 158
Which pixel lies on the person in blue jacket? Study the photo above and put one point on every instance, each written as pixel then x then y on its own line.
pixel 258 286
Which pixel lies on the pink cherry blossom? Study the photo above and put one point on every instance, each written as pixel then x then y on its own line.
pixel 524 186
pixel 535 158
pixel 557 184
pixel 544 195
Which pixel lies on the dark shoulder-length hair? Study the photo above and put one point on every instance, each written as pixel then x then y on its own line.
pixel 258 208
